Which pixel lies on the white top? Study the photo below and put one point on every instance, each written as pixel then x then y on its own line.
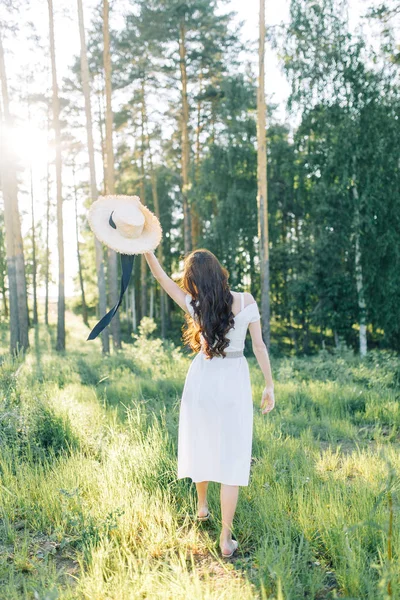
pixel 237 335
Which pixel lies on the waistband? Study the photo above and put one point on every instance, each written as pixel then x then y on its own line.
pixel 231 354
pixel 234 354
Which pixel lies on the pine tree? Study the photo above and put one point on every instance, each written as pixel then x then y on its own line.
pixel 181 30
pixel 19 338
pixel 110 179
pixel 60 226
pixel 101 281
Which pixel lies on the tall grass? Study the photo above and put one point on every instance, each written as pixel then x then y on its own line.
pixel 91 507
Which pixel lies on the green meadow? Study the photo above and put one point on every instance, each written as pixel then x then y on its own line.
pixel 90 507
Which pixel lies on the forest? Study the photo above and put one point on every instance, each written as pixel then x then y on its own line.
pixel 183 137
pixel 300 200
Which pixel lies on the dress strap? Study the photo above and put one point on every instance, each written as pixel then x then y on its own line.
pixel 241 300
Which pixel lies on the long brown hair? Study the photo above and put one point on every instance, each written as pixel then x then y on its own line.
pixel 206 280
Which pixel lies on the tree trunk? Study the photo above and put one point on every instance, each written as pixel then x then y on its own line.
pixel 198 128
pixel 60 229
pixel 362 307
pixel 4 298
pixel 110 182
pixel 34 265
pixel 306 333
pixel 20 270
pixel 262 197
pixel 33 240
pixel 167 311
pixel 151 309
pixel 292 331
pixel 3 257
pixel 47 268
pixel 101 280
pixel 194 213
pixel 336 339
pixel 3 261
pixel 78 253
pixel 133 305
pixel 19 335
pixel 126 302
pixel 102 140
pixel 184 139
pixel 160 256
pixel 143 262
pixel 143 286
pixel 252 270
pixel 10 254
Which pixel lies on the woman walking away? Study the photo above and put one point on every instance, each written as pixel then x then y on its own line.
pixel 216 411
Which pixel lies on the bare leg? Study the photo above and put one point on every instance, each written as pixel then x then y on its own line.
pixel 229 498
pixel 202 498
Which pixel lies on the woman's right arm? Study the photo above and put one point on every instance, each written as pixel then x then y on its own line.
pixel 261 354
pixel 172 288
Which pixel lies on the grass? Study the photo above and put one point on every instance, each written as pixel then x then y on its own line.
pixel 90 506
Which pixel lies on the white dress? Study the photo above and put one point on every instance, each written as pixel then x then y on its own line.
pixel 216 411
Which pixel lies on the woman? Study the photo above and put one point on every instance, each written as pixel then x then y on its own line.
pixel 216 413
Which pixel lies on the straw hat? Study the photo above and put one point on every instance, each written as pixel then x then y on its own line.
pixel 124 224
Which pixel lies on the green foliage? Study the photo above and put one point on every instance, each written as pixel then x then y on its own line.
pixel 227 180
pixel 345 178
pixel 344 102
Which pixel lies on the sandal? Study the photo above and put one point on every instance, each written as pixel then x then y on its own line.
pixel 205 518
pixel 233 551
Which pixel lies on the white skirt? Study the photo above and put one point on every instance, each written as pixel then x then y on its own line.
pixel 216 421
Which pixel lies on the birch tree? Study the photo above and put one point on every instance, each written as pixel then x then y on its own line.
pixel 362 307
pixel 262 198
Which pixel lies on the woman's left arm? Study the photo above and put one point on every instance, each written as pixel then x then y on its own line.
pixel 172 288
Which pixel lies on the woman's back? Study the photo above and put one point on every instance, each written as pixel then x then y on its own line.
pixel 246 315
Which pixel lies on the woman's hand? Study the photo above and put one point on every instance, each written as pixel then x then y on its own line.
pixel 268 399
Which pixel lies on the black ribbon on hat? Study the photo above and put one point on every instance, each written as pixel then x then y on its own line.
pixel 127 266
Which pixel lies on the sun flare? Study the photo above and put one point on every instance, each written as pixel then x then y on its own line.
pixel 28 144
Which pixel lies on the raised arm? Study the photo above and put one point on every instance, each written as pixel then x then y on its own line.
pixel 261 354
pixel 172 288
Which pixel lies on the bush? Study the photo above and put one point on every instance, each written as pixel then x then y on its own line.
pixel 36 431
pixel 50 432
pixel 29 424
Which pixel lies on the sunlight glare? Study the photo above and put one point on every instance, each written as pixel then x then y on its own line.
pixel 28 144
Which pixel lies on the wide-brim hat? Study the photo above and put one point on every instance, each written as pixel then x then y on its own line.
pixel 124 224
